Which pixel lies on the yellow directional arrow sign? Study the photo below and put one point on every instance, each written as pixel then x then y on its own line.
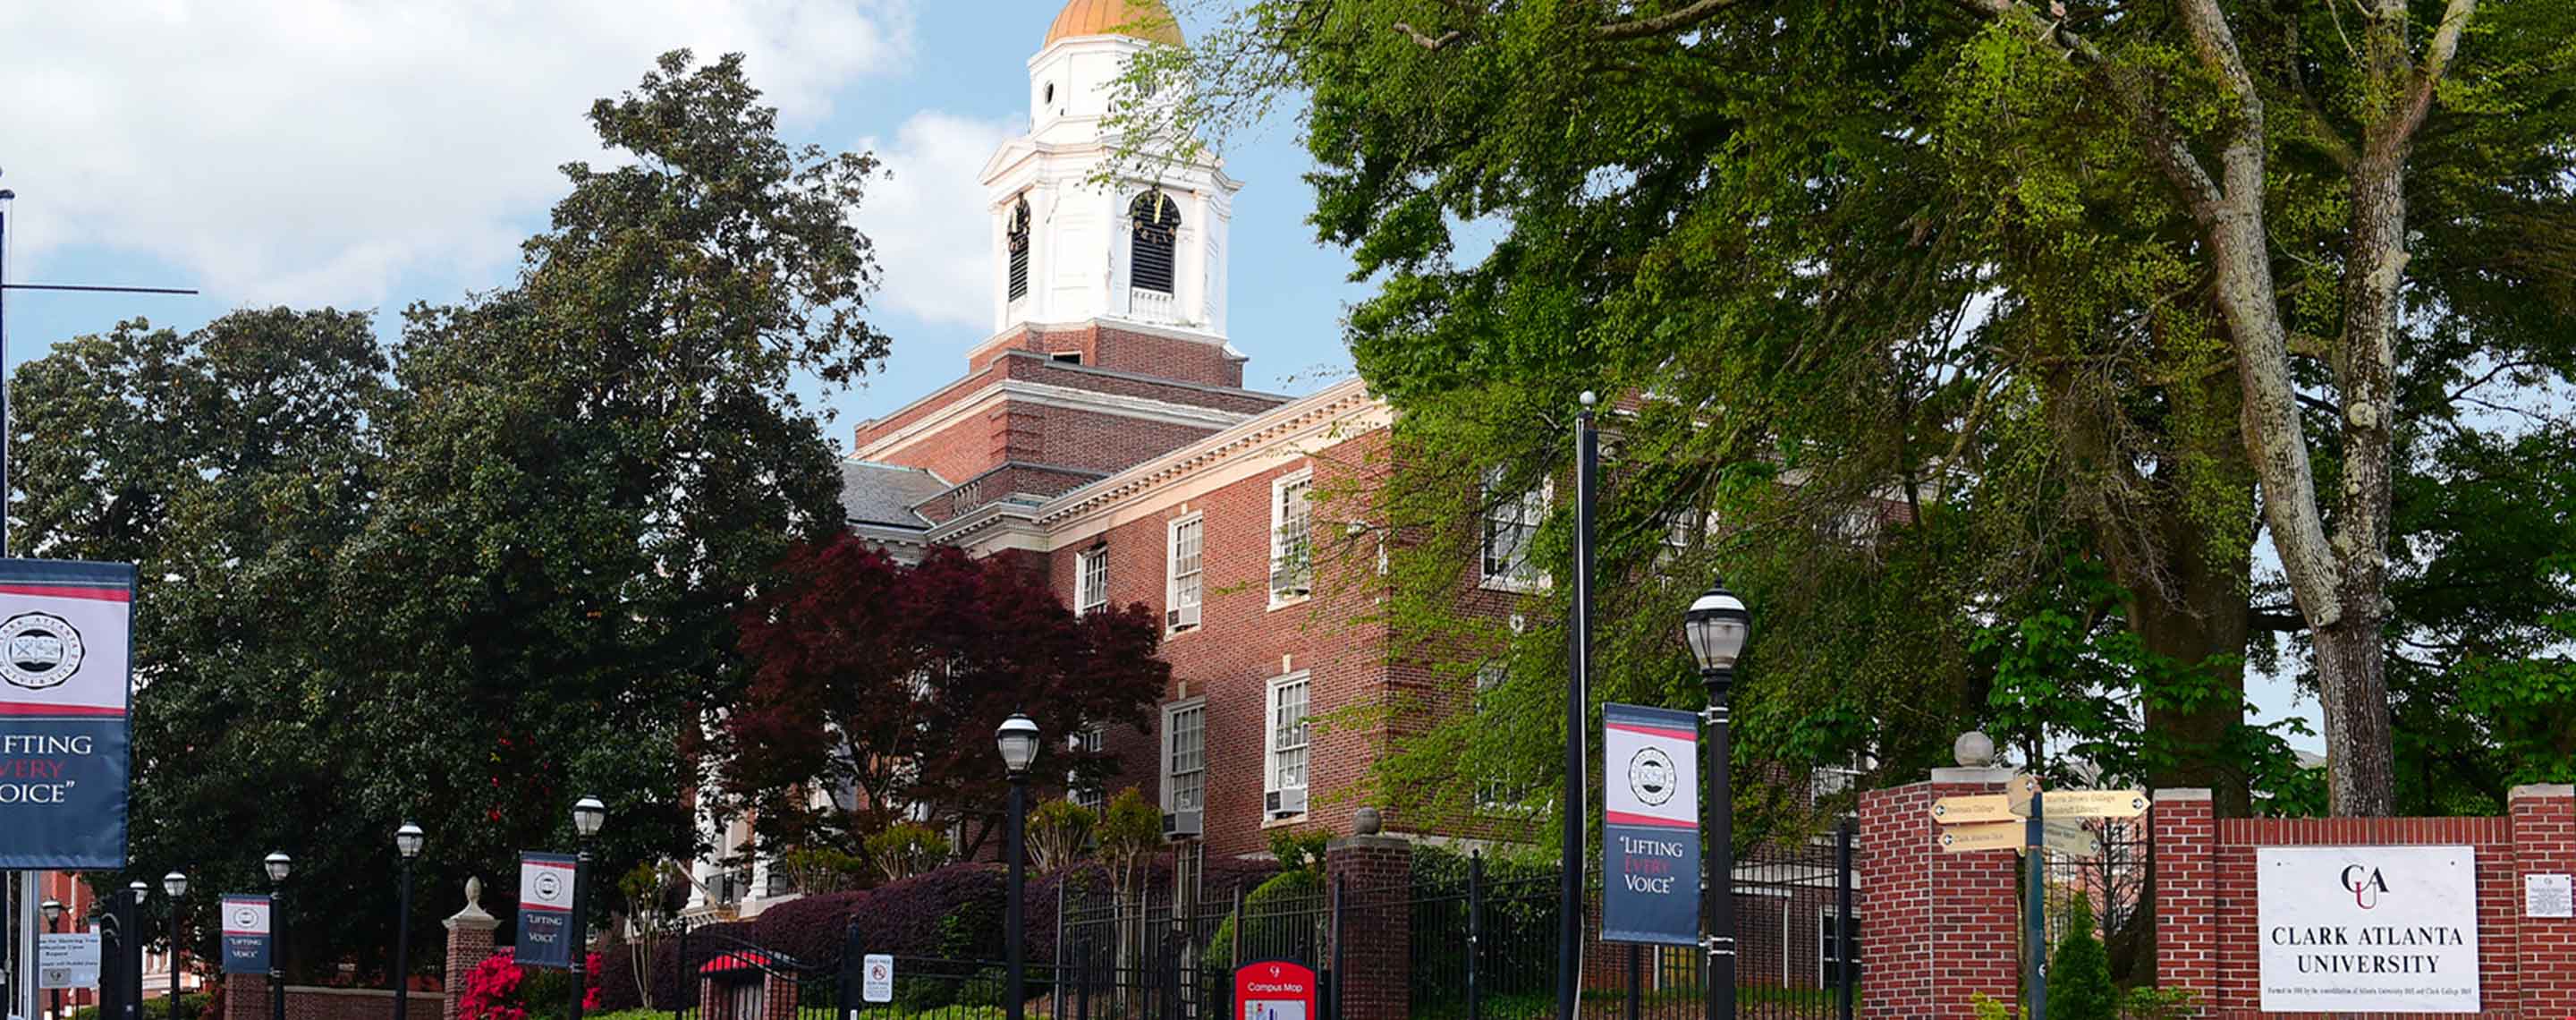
pixel 1991 807
pixel 2096 803
pixel 2068 835
pixel 2017 793
pixel 1981 836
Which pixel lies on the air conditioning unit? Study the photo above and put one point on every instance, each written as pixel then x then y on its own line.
pixel 1285 803
pixel 1181 618
pixel 1183 825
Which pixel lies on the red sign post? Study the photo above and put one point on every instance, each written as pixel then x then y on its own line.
pixel 1274 990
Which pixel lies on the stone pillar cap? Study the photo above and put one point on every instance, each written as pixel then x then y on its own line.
pixel 1977 775
pixel 2542 791
pixel 2183 793
pixel 473 916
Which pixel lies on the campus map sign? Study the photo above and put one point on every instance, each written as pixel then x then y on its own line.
pixel 2368 929
pixel 1274 990
pixel 64 675
pixel 1650 825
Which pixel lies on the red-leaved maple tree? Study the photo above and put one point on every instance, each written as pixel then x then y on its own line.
pixel 885 679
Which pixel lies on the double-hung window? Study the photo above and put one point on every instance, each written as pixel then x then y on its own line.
pixel 1511 522
pixel 1292 538
pixel 1091 579
pixel 1085 741
pixel 1184 586
pixel 1184 757
pixel 1284 787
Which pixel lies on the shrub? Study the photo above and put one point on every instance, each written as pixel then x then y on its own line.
pixel 191 1006
pixel 500 989
pixel 2079 986
pixel 816 870
pixel 906 849
pixel 2159 1004
pixel 1274 923
pixel 1059 831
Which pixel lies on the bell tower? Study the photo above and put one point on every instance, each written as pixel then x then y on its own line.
pixel 1147 248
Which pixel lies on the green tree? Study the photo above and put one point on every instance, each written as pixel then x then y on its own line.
pixel 2079 985
pixel 473 577
pixel 1911 299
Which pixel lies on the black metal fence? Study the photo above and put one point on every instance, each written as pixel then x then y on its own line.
pixel 1478 946
pixel 2109 889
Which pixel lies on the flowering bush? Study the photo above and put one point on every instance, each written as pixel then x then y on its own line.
pixel 500 989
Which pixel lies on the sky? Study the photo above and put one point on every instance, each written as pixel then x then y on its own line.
pixel 368 155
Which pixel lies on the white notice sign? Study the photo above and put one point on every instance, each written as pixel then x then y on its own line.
pixel 67 960
pixel 2356 929
pixel 876 980
pixel 2548 896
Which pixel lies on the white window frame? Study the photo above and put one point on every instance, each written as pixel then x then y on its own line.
pixel 1087 739
pixel 1280 739
pixel 1522 514
pixel 1828 937
pixel 1195 709
pixel 1091 579
pixel 1191 583
pixel 1292 538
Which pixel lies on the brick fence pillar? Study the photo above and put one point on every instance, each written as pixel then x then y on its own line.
pixel 469 941
pixel 1375 874
pixel 2184 828
pixel 2544 842
pixel 1942 927
pixel 246 997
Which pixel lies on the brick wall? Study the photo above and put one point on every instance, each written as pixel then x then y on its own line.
pixel 246 998
pixel 1941 926
pixel 2207 912
pixel 1198 361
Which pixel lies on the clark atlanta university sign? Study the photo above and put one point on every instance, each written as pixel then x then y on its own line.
pixel 2368 929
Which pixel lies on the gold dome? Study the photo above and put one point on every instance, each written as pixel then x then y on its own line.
pixel 1137 19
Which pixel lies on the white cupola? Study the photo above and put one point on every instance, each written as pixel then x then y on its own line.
pixel 1147 249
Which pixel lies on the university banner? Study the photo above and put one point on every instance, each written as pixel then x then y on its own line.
pixel 65 671
pixel 545 910
pixel 245 921
pixel 1649 825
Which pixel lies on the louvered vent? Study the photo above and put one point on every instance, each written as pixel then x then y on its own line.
pixel 1158 222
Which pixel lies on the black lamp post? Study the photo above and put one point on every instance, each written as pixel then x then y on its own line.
pixel 133 948
pixel 1018 739
pixel 176 885
pixel 279 866
pixel 588 814
pixel 407 841
pixel 53 923
pixel 1715 627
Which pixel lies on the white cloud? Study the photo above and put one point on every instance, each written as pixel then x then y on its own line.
pixel 313 151
pixel 928 218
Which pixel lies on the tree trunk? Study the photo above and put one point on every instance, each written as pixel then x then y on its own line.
pixel 2203 617
pixel 2361 768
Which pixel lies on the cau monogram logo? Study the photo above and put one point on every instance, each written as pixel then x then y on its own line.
pixel 2366 884
pixel 38 650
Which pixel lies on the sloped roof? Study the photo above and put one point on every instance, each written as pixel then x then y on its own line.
pixel 875 493
pixel 1139 19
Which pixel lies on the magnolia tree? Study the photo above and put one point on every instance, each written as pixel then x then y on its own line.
pixel 881 680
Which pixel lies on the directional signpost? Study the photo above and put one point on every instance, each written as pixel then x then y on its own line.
pixel 1996 821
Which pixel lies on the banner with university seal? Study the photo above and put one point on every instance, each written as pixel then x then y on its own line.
pixel 545 909
pixel 245 921
pixel 66 673
pixel 1649 825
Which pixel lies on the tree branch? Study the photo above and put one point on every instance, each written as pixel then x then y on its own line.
pixel 1659 24
pixel 2163 141
pixel 1429 42
pixel 2437 62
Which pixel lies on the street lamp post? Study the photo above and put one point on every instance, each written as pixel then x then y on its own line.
pixel 1018 740
pixel 279 866
pixel 176 885
pixel 53 923
pixel 407 841
pixel 133 949
pixel 1715 628
pixel 588 814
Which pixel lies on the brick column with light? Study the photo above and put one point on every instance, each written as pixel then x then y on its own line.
pixel 469 941
pixel 1375 872
pixel 1941 925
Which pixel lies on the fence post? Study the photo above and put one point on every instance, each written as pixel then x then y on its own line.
pixel 1240 922
pixel 683 977
pixel 1636 980
pixel 1475 932
pixel 1082 979
pixel 1843 919
pixel 1055 986
pixel 1334 983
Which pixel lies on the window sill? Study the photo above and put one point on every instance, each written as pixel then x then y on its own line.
pixel 1277 603
pixel 1513 586
pixel 1170 634
pixel 1274 823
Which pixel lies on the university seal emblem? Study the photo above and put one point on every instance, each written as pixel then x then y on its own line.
pixel 1651 776
pixel 38 650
